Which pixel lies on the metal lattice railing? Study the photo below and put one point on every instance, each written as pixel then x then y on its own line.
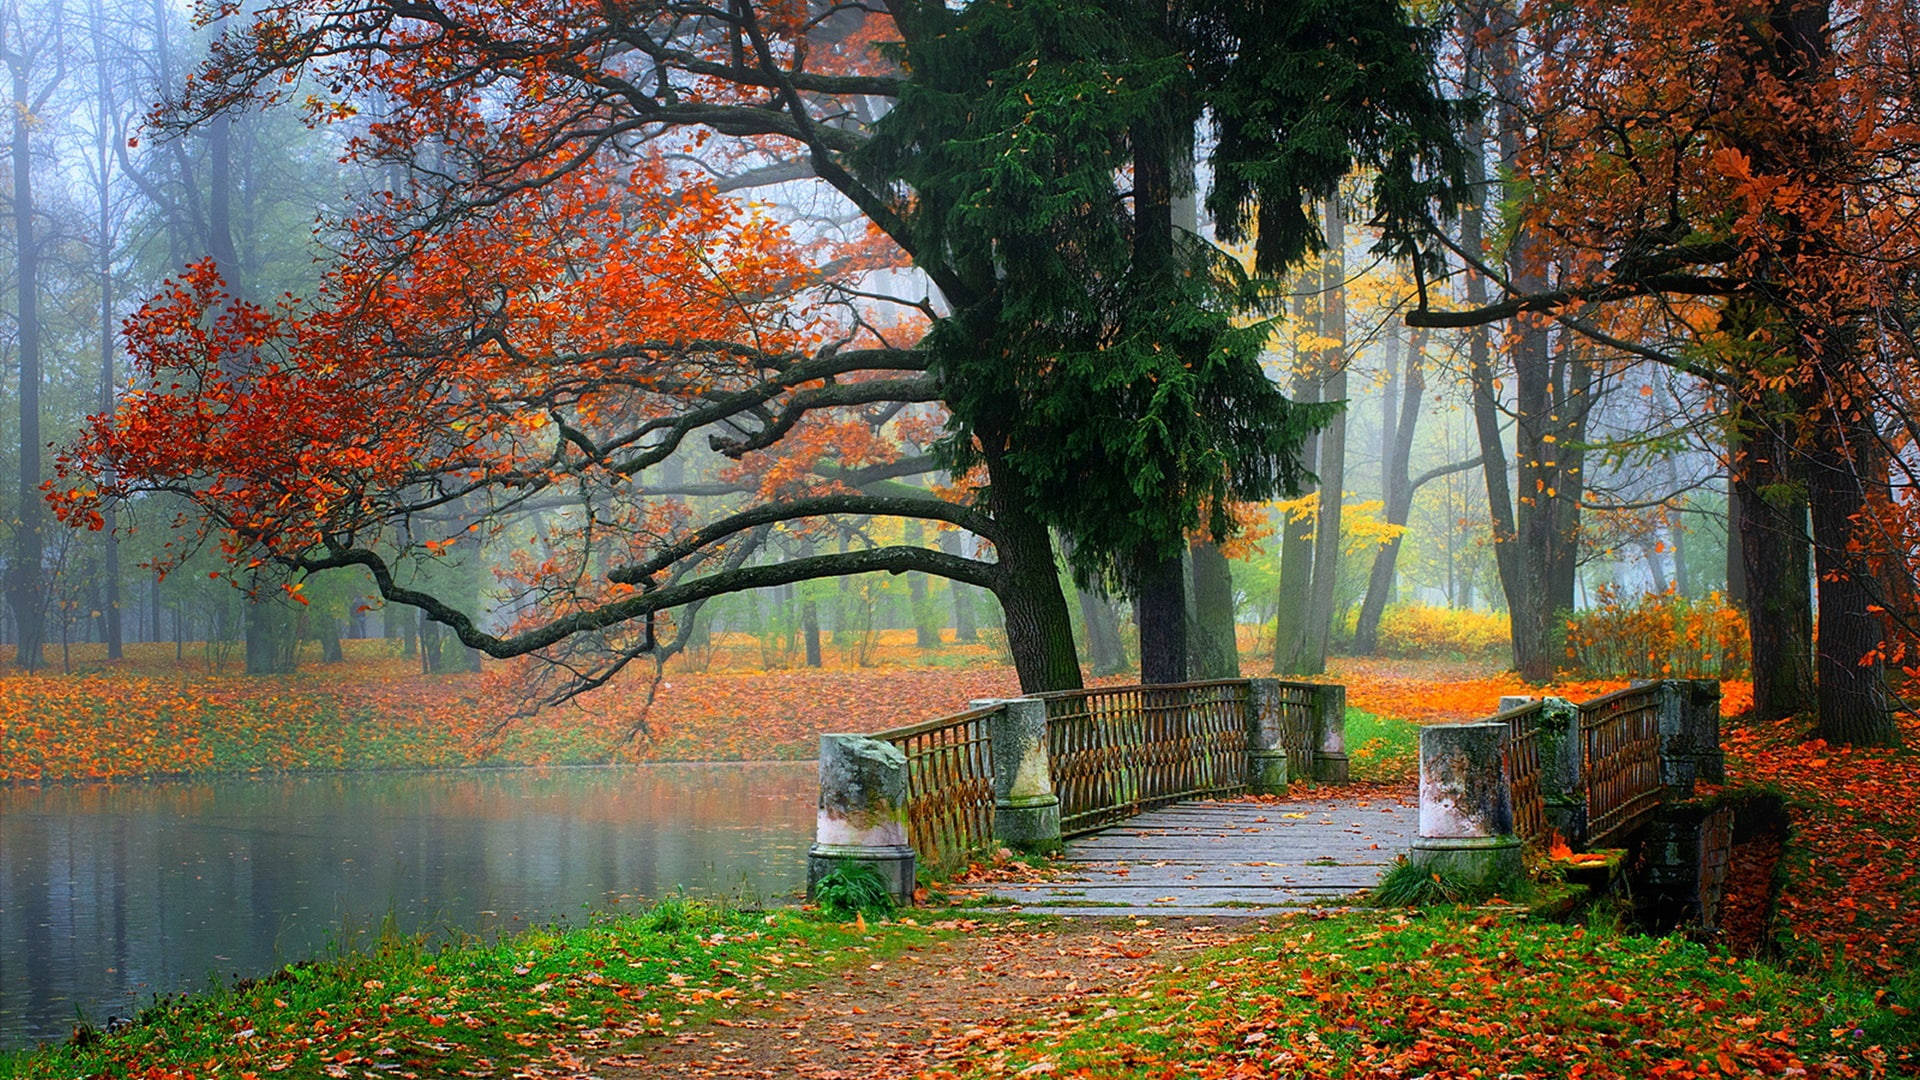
pixel 1620 745
pixel 1299 725
pixel 949 782
pixel 1523 771
pixel 1117 751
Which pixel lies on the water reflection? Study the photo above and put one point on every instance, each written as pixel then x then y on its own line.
pixel 112 894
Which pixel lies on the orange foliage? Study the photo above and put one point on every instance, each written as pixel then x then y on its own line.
pixel 1433 691
pixel 150 718
pixel 1664 635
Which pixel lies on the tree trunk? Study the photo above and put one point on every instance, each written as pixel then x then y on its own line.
pixel 1397 492
pixel 330 651
pixel 1160 608
pixel 103 224
pixel 966 627
pixel 1213 639
pixel 810 625
pixel 270 637
pixel 1774 554
pixel 1333 442
pixel 1106 655
pixel 1039 630
pixel 1849 676
pixel 26 576
pixel 1296 542
pixel 1737 594
pixel 926 627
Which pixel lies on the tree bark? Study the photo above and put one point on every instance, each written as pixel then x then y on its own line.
pixel 1290 625
pixel 1333 442
pixel 103 119
pixel 1106 654
pixel 1213 640
pixel 1161 609
pixel 1039 630
pixel 966 627
pixel 1775 556
pixel 810 624
pixel 926 628
pixel 1849 676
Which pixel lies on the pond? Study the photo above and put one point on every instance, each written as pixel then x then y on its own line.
pixel 111 895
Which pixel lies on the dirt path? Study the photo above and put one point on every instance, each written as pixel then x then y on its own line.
pixel 932 1005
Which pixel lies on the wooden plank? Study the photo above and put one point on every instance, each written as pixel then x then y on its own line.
pixel 1227 858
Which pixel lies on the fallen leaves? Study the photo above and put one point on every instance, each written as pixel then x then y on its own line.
pixel 1853 898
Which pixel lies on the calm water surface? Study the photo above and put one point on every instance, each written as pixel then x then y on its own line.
pixel 110 895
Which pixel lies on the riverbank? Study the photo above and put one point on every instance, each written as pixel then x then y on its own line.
pixel 690 991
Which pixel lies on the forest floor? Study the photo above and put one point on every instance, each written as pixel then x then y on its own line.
pixel 155 714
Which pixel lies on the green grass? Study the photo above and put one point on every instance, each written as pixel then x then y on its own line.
pixel 474 1008
pixel 1367 994
pixel 1382 749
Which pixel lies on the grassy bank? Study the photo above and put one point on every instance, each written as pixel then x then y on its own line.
pixel 538 1001
pixel 1446 993
pixel 1467 993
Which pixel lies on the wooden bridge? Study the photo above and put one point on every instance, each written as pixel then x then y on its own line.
pixel 1141 785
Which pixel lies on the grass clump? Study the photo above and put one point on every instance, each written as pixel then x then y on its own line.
pixel 1382 749
pixel 1407 884
pixel 853 888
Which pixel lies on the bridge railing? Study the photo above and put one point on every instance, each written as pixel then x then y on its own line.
pixel 1522 752
pixel 1116 751
pixel 1026 772
pixel 1593 773
pixel 1620 740
pixel 949 765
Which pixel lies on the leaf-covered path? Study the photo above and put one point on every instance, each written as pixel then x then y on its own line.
pixel 996 985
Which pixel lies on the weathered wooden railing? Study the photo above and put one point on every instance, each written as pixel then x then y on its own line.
pixel 1593 773
pixel 1522 752
pixel 1026 772
pixel 1620 739
pixel 1116 751
pixel 949 779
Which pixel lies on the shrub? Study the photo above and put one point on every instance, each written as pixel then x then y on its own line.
pixel 1421 632
pixel 1662 635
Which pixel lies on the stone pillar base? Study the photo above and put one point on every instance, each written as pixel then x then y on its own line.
pixel 1329 768
pixel 895 863
pixel 1267 772
pixel 1030 825
pixel 1477 861
pixel 1568 817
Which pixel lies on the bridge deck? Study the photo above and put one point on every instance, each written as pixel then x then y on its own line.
pixel 1228 858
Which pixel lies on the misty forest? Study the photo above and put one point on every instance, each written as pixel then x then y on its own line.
pixel 959 538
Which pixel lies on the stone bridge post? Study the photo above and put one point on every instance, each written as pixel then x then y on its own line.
pixel 1267 765
pixel 1330 728
pixel 1563 783
pixel 1026 810
pixel 1466 803
pixel 1690 735
pixel 863 812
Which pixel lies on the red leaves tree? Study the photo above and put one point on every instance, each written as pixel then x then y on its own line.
pixel 1758 154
